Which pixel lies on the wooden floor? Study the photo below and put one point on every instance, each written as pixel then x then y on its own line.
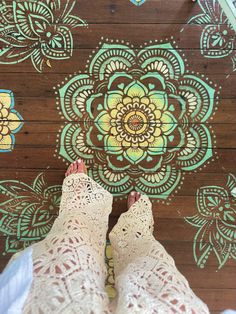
pixel 168 74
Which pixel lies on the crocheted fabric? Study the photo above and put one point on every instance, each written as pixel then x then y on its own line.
pixel 69 268
pixel 69 264
pixel 147 279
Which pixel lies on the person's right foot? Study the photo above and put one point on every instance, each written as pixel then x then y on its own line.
pixel 132 198
pixel 77 166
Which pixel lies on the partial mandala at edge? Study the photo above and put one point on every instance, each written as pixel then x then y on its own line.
pixel 216 223
pixel 138 117
pixel 218 36
pixel 37 30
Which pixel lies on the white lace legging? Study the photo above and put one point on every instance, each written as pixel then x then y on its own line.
pixel 69 265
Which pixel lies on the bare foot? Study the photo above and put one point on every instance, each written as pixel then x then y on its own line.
pixel 77 166
pixel 132 198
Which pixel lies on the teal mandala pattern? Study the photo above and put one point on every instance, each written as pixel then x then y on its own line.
pixel 218 36
pixel 28 212
pixel 138 2
pixel 216 223
pixel 138 118
pixel 37 30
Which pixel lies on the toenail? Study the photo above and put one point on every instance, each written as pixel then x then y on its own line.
pixel 79 160
pixel 132 193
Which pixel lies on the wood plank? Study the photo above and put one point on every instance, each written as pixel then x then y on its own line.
pixel 35 134
pixel 44 109
pixel 36 84
pixel 123 11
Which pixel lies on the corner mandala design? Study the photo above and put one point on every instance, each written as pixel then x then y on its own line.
pixel 138 118
pixel 37 30
pixel 218 36
pixel 28 212
pixel 10 121
pixel 216 223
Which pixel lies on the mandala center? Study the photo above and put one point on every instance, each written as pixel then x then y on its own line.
pixel 136 122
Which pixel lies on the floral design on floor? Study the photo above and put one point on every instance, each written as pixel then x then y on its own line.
pixel 28 212
pixel 37 30
pixel 138 118
pixel 10 121
pixel 216 223
pixel 218 36
pixel 138 2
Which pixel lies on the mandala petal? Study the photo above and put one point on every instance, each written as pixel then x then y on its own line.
pixel 111 58
pixel 198 148
pixel 74 96
pixel 60 46
pixel 205 199
pixel 159 99
pixel 32 18
pixel 162 58
pixel 72 133
pixel 6 98
pixel 112 145
pixel 220 247
pixel 216 41
pixel 169 123
pixel 74 21
pixel 115 182
pixel 103 122
pixel 161 184
pixel 227 230
pixel 7 143
pixel 201 245
pixel 158 146
pixel 112 99
pixel 199 97
pixel 196 220
pixel 199 19
pixel 136 89
pixel 134 155
pixel 14 126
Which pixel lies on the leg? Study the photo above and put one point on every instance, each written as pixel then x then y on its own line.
pixel 147 279
pixel 68 265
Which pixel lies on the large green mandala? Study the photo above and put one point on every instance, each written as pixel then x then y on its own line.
pixel 138 118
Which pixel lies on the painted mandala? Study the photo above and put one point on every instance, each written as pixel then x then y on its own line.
pixel 216 223
pixel 138 119
pixel 10 121
pixel 138 2
pixel 28 213
pixel 218 36
pixel 37 30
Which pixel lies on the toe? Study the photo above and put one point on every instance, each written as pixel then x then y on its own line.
pixel 137 196
pixel 131 199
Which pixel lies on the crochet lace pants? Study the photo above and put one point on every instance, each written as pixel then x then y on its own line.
pixel 69 264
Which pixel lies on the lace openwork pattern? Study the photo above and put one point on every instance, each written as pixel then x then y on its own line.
pixel 147 279
pixel 69 267
pixel 69 264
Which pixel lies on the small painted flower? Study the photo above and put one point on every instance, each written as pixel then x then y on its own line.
pixel 216 223
pixel 10 121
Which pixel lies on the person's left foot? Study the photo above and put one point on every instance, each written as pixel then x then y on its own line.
pixel 77 166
